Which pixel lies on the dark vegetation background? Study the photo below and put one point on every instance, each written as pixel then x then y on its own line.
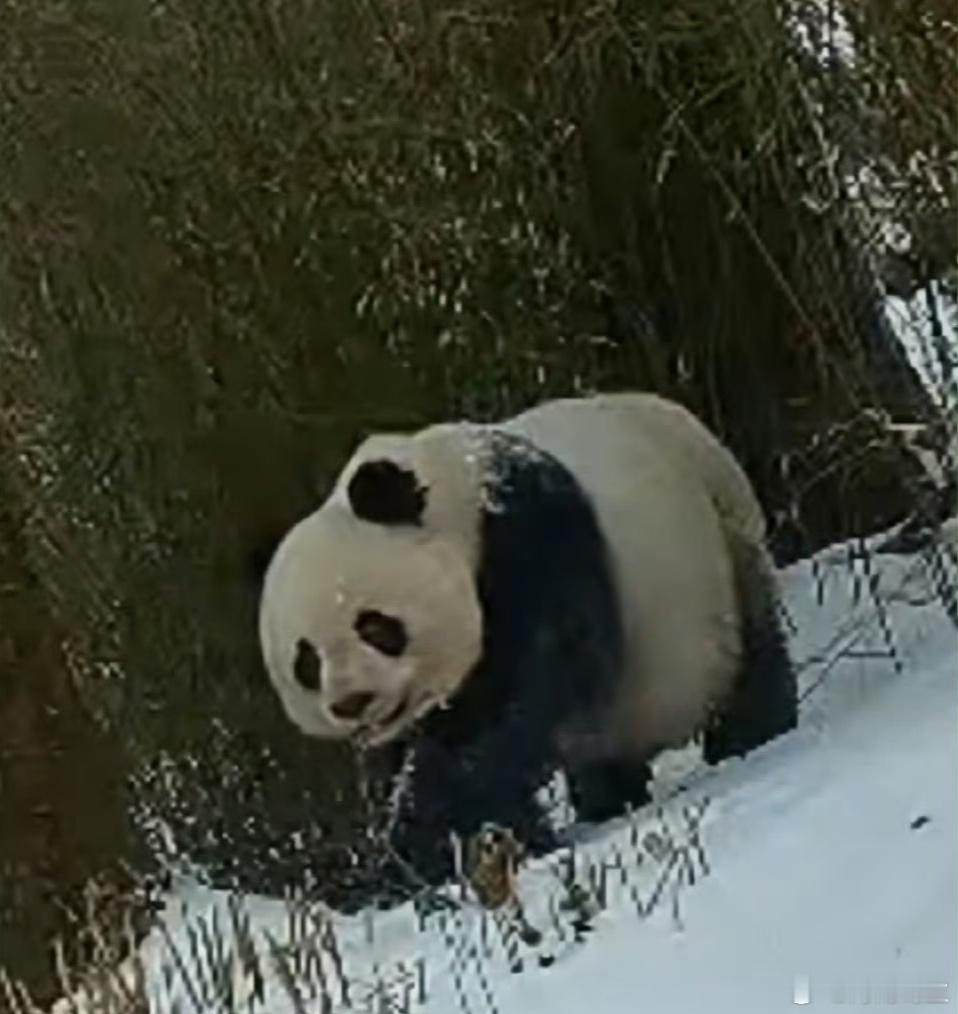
pixel 238 236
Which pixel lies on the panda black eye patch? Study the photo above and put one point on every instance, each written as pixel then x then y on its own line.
pixel 307 666
pixel 384 633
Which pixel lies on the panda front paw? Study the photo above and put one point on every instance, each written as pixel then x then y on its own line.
pixel 424 855
pixel 534 831
pixel 426 849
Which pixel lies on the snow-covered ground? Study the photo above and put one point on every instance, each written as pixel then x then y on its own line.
pixel 935 360
pixel 828 866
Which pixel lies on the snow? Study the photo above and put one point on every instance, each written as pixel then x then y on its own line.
pixel 934 360
pixel 829 856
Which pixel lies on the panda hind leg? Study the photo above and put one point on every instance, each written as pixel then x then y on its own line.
pixel 603 789
pixel 763 703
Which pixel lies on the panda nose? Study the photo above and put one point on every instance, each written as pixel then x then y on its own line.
pixel 352 705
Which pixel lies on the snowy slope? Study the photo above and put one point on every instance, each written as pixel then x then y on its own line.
pixel 831 856
pixel 816 871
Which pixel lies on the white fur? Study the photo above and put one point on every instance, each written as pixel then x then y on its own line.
pixel 328 568
pixel 667 494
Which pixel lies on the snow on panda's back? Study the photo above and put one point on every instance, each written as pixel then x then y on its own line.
pixel 667 494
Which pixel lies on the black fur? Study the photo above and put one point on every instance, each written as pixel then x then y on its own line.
pixel 605 789
pixel 764 699
pixel 308 666
pixel 386 494
pixel 552 657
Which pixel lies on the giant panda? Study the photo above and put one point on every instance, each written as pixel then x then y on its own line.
pixel 574 588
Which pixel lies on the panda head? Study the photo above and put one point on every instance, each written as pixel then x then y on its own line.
pixel 369 615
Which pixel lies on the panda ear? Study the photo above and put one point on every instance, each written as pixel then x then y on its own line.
pixel 386 494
